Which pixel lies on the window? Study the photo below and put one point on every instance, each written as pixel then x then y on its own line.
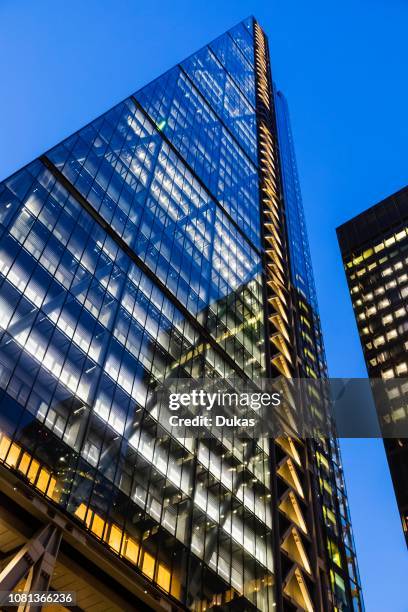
pixel 387 319
pixel 131 549
pixel 384 303
pixel 387 374
pixel 13 455
pixel 115 537
pixel 148 565
pixel 163 577
pixel 401 368
pixel 334 553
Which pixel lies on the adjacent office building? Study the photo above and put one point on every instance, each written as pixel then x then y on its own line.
pixel 165 239
pixel 374 247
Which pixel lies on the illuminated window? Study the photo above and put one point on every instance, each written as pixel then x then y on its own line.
pixel 382 357
pixel 13 455
pixel 398 414
pixel 80 512
pixel 325 485
pixel 163 577
pixel 387 319
pixel 379 341
pixel 393 392
pixel 52 492
pixel 24 465
pixel 338 584
pixel 401 368
pixel 322 461
pixel 43 480
pixel 98 525
pixel 387 374
pixel 384 303
pixel 148 565
pixel 329 515
pixel 83 515
pixel 131 550
pixel 115 537
pixel 334 553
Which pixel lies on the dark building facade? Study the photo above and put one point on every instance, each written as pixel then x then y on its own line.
pixel 374 247
pixel 166 239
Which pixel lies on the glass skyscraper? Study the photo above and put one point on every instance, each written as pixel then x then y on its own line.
pixel 374 247
pixel 166 239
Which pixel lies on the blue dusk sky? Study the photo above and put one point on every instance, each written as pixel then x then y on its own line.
pixel 343 68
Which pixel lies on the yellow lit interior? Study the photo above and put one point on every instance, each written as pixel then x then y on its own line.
pixel 148 565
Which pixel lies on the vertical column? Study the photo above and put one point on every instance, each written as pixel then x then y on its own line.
pixel 297 576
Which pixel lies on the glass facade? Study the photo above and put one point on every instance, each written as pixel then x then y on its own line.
pixel 131 253
pixel 374 248
pixel 329 479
